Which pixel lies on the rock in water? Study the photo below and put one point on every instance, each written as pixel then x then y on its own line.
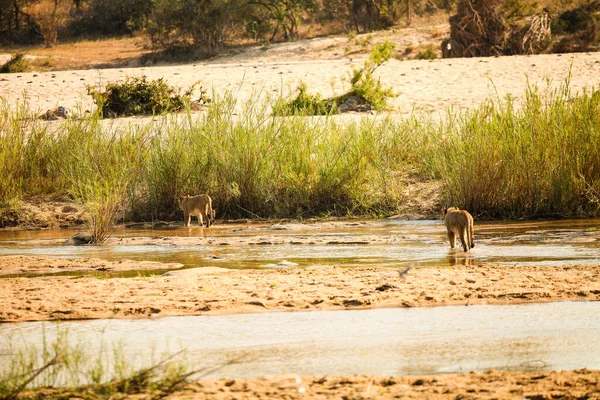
pixel 78 239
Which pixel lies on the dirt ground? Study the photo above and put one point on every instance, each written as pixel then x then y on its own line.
pixel 492 384
pixel 221 291
pixel 215 291
pixel 582 384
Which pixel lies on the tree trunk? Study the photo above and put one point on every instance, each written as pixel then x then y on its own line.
pixel 17 11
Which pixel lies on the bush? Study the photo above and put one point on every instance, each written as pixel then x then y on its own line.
pixel 363 83
pixel 17 63
pixel 138 96
pixel 304 104
pixel 429 53
pixel 365 91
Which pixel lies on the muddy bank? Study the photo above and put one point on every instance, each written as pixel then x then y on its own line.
pixel 222 291
pixel 579 384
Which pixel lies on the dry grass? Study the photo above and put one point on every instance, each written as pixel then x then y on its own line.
pixel 87 54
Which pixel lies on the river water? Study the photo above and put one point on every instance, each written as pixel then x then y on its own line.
pixel 551 336
pixel 381 243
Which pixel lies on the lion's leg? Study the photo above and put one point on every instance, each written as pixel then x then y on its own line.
pixel 452 239
pixel 464 239
pixel 200 221
pixel 472 234
pixel 186 218
pixel 206 214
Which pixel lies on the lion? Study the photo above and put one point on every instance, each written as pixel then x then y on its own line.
pixel 200 205
pixel 459 222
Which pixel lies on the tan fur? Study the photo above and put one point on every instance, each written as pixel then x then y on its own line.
pixel 200 205
pixel 459 222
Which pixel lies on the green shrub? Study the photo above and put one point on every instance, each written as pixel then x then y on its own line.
pixel 17 63
pixel 304 104
pixel 138 96
pixel 429 53
pixel 363 83
pixel 363 86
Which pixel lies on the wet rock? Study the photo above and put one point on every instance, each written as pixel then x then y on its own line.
pixel 58 112
pixel 354 103
pixel 79 239
pixel 384 287
pixel 352 303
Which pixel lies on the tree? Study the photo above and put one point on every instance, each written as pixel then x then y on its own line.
pixel 51 16
pixel 285 13
pixel 205 24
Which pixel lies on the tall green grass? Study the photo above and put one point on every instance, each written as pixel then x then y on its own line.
pixel 536 156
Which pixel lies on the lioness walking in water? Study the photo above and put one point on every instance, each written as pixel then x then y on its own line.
pixel 200 205
pixel 459 222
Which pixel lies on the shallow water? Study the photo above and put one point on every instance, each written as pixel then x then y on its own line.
pixel 382 243
pixel 551 336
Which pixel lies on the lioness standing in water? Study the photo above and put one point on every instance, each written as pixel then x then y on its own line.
pixel 200 205
pixel 459 222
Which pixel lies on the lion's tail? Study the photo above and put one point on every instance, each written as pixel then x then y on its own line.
pixel 470 236
pixel 209 214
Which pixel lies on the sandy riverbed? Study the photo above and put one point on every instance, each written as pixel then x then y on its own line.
pixel 499 385
pixel 221 291
pixel 429 86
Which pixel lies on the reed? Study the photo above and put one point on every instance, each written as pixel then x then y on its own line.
pixel 536 156
pixel 62 367
pixel 532 157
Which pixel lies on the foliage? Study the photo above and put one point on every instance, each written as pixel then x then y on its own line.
pixel 17 63
pixel 50 17
pixel 138 96
pixel 207 24
pixel 368 15
pixel 579 28
pixel 429 53
pixel 362 81
pixel 285 14
pixel 304 104
pixel 363 86
pixel 108 17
